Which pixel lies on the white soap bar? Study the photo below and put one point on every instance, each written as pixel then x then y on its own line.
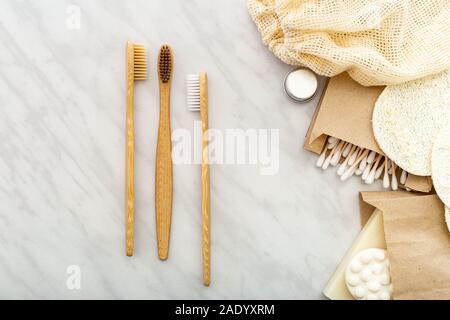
pixel 367 276
pixel 371 236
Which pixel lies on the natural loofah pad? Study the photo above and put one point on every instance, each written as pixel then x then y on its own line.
pixel 440 164
pixel 407 119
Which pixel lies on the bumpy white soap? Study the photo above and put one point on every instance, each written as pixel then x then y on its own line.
pixel 367 276
pixel 408 117
pixel 440 164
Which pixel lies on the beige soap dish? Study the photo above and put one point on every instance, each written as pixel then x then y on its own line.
pixel 369 165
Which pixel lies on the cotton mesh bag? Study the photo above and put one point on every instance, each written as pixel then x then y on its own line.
pixel 379 42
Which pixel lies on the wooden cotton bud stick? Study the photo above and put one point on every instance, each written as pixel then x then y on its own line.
pixel 394 182
pixel 352 169
pixel 386 175
pixel 403 177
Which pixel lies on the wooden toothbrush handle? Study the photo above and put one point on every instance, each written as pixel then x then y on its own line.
pixel 164 183
pixel 129 167
pixel 206 222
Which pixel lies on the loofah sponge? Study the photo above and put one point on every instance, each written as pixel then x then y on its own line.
pixel 407 119
pixel 440 164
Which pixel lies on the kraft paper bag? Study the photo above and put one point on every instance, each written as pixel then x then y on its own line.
pixel 418 242
pixel 345 112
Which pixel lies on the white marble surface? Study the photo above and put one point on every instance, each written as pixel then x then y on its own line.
pixel 62 159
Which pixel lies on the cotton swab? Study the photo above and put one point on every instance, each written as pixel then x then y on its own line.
pixel 347 149
pixel 371 157
pixel 321 159
pixel 394 182
pixel 386 175
pixel 337 155
pixel 380 169
pixel 332 139
pixel 353 156
pixel 371 177
pixel 361 162
pixel 403 177
pixel 352 169
pixel 344 164
pixel 332 144
pixel 327 161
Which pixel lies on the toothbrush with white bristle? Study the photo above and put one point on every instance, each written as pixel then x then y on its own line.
pixel 197 100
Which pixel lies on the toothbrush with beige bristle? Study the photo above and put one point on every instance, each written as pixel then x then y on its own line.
pixel 197 100
pixel 136 71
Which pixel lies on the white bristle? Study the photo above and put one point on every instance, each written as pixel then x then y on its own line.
pixel 193 92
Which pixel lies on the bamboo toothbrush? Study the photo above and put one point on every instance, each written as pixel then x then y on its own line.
pixel 164 183
pixel 197 100
pixel 136 71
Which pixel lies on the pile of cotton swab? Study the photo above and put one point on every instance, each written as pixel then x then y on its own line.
pixel 354 160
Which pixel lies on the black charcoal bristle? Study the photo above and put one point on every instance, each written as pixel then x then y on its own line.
pixel 165 64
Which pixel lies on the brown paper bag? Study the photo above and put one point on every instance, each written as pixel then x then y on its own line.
pixel 345 112
pixel 418 242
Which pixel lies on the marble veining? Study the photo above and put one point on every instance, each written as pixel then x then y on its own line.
pixel 62 135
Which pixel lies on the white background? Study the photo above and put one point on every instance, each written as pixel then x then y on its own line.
pixel 62 95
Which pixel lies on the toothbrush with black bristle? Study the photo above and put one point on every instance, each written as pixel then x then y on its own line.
pixel 164 174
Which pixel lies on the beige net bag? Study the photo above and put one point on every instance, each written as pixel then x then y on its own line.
pixel 379 42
